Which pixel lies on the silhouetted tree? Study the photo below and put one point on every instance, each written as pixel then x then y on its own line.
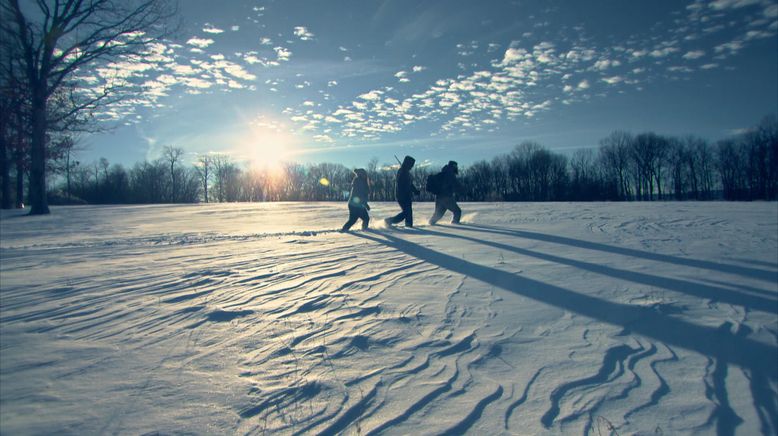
pixel 61 37
pixel 203 167
pixel 614 158
pixel 730 164
pixel 172 155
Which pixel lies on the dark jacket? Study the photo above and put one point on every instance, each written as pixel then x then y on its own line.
pixel 449 185
pixel 360 191
pixel 405 189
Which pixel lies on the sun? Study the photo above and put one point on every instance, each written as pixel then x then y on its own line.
pixel 267 146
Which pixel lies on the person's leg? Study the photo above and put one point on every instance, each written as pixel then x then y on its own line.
pixel 440 209
pixel 456 210
pixel 408 211
pixel 397 218
pixel 365 218
pixel 352 218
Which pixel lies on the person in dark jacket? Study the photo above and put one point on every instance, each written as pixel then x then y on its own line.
pixel 445 198
pixel 404 191
pixel 357 201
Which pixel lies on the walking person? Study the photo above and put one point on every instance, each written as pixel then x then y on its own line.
pixel 446 189
pixel 404 190
pixel 357 201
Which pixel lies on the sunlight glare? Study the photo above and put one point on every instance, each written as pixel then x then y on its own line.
pixel 267 146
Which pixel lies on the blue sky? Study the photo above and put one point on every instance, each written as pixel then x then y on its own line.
pixel 346 81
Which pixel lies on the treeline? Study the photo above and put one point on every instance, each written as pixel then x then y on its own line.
pixel 624 167
pixel 641 167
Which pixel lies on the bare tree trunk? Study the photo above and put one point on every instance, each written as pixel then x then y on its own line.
pixel 20 179
pixel 205 184
pixel 5 173
pixel 67 172
pixel 39 204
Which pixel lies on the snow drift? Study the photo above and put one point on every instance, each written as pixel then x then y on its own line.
pixel 530 318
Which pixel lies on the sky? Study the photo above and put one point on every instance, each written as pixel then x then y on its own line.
pixel 350 80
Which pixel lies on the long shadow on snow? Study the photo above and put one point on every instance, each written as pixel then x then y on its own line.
pixel 761 360
pixel 755 273
pixel 769 305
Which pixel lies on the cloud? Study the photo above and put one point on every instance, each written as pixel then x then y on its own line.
pixel 513 55
pixel 200 42
pixel 184 70
pixel 195 82
pixel 236 70
pixel 663 52
pixel 604 64
pixel 696 54
pixel 282 53
pixel 732 47
pixel 372 95
pixel 252 59
pixel 522 80
pixel 679 69
pixel 323 138
pixel 757 34
pixel 732 4
pixel 303 33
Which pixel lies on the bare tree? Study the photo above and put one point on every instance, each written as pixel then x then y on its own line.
pixel 66 146
pixel 6 93
pixel 203 166
pixel 226 173
pixel 615 158
pixel 172 155
pixel 730 163
pixel 649 152
pixel 56 38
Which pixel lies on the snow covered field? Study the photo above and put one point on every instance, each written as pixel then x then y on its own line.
pixel 544 318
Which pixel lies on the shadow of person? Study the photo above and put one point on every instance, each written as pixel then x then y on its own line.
pixel 754 273
pixel 746 353
pixel 720 345
pixel 768 304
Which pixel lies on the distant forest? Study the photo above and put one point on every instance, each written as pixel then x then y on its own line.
pixel 625 167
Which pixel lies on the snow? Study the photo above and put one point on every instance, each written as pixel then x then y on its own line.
pixel 530 318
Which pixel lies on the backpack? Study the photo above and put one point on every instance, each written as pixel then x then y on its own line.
pixel 433 183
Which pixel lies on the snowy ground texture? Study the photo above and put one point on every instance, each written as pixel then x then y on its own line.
pixel 528 319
